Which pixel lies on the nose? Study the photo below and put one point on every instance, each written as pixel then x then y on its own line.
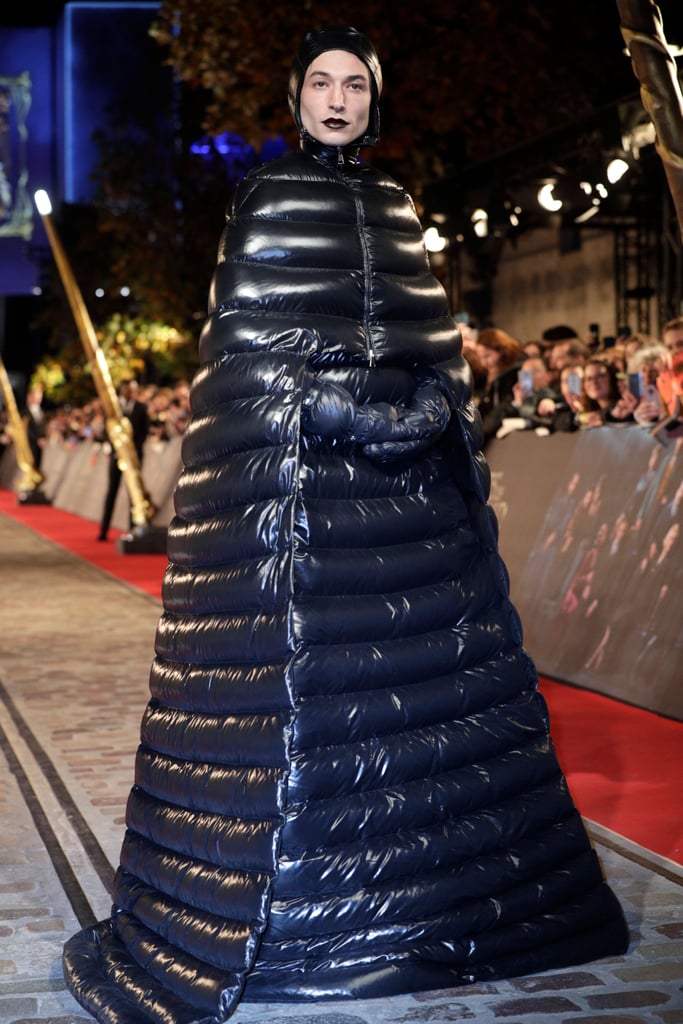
pixel 337 101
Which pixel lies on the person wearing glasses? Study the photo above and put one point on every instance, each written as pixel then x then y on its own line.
pixel 604 401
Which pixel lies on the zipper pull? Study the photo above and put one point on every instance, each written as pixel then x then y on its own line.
pixel 340 156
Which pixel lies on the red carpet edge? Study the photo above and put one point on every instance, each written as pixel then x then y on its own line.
pixel 623 764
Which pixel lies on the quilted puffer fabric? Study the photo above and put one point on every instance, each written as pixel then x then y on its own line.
pixel 345 785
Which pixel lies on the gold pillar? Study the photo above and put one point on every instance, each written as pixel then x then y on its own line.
pixel 119 428
pixel 31 477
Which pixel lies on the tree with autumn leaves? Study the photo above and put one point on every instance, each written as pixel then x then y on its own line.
pixel 463 83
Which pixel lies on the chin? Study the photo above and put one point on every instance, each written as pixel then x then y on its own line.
pixel 336 138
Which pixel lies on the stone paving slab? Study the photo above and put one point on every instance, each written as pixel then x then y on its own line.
pixel 75 650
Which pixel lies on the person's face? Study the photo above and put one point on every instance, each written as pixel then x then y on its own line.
pixel 539 372
pixel 559 355
pixel 596 382
pixel 673 340
pixel 335 98
pixel 489 359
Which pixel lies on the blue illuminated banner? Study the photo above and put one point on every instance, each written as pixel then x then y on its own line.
pixel 16 215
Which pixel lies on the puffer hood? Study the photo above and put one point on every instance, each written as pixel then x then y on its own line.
pixel 337 37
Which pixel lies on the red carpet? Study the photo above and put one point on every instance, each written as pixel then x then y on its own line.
pixel 78 536
pixel 624 765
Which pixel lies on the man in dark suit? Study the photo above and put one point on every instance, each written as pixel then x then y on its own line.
pixel 34 419
pixel 136 412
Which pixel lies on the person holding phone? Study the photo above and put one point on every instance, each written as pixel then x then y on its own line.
pixel 534 400
pixel 604 401
pixel 646 368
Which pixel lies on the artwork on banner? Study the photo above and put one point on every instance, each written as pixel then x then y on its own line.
pixel 591 531
pixel 16 212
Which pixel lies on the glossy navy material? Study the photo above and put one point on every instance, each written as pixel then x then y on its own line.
pixel 345 785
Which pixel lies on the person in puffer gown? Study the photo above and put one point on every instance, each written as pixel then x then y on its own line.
pixel 345 785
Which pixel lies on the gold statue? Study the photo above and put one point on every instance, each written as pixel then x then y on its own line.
pixel 31 477
pixel 660 91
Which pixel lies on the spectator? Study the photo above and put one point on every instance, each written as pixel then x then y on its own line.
pixel 603 400
pixel 136 412
pixel 533 401
pixel 672 336
pixel 536 348
pixel 561 332
pixel 501 356
pixel 650 364
pixel 479 375
pixel 36 423
pixel 565 417
pixel 633 343
pixel 564 352
pixel 558 412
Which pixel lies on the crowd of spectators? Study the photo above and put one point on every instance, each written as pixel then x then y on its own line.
pixel 561 382
pixel 168 410
pixel 558 382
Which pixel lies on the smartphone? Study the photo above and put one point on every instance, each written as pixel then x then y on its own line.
pixel 574 384
pixel 526 382
pixel 635 384
pixel 594 332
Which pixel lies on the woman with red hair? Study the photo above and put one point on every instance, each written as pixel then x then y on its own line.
pixel 501 355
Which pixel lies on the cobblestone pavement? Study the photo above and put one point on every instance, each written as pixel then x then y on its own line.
pixel 75 650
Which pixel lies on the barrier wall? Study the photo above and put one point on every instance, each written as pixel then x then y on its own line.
pixel 590 530
pixel 76 478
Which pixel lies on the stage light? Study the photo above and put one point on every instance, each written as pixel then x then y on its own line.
pixel 547 199
pixel 42 201
pixel 480 222
pixel 434 241
pixel 616 169
pixel 587 214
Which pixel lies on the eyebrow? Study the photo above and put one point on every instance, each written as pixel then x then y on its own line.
pixel 359 77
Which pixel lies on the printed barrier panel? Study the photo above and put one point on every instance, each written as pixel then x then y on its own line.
pixel 590 530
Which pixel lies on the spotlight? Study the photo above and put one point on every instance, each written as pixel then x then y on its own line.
pixel 42 201
pixel 547 199
pixel 616 169
pixel 434 241
pixel 480 223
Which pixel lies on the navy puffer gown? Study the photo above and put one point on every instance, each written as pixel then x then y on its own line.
pixel 345 784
